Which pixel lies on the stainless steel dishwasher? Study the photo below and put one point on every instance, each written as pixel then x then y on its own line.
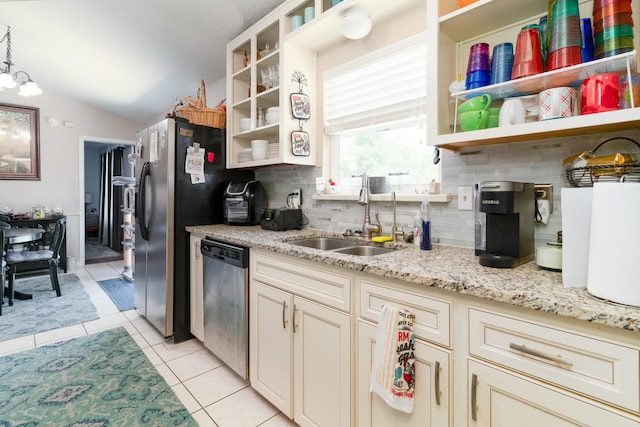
pixel 226 297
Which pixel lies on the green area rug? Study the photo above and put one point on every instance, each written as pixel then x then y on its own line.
pixel 46 311
pixel 100 380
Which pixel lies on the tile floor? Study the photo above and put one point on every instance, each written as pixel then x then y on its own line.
pixel 215 395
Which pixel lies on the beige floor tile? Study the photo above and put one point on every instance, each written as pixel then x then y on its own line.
pixel 214 385
pixel 17 344
pixel 194 364
pixel 246 408
pixel 133 315
pixel 203 419
pixel 106 322
pixel 167 374
pixel 152 356
pixel 61 334
pixel 170 351
pixel 152 336
pixel 186 398
pixel 278 421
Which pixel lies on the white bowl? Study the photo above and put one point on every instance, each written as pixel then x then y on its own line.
pixel 272 118
pixel 275 110
pixel 245 124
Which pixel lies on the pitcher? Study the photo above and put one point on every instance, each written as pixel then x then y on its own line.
pixel 512 112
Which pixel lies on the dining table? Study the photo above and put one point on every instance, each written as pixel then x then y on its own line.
pixel 23 235
pixel 17 236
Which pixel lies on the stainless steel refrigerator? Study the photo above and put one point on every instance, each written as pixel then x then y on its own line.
pixel 167 200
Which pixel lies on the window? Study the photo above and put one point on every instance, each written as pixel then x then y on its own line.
pixel 374 112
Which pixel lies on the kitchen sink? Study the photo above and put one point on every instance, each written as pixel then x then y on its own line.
pixel 364 250
pixel 325 243
pixel 341 246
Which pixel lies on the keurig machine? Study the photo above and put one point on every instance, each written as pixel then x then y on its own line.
pixel 509 216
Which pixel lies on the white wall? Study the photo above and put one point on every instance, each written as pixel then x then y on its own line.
pixel 60 156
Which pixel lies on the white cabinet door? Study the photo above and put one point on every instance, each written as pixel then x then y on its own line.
pixel 498 398
pixel 431 401
pixel 196 288
pixel 322 349
pixel 270 346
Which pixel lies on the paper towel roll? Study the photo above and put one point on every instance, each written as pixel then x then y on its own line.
pixel 614 270
pixel 576 228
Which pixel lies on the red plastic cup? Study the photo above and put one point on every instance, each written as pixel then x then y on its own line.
pixel 564 57
pixel 611 9
pixel 527 60
pixel 600 4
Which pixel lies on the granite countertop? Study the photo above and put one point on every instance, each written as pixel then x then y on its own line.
pixel 445 267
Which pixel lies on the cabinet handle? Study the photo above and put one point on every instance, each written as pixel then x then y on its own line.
pixel 437 382
pixel 474 392
pixel 540 354
pixel 284 315
pixel 295 310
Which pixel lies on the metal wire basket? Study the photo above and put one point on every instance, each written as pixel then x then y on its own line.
pixel 586 176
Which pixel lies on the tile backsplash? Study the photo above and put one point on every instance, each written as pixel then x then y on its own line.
pixel 538 161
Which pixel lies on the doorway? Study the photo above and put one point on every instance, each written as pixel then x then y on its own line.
pixel 101 202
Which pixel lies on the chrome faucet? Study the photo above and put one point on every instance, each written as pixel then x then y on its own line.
pixel 367 227
pixel 394 231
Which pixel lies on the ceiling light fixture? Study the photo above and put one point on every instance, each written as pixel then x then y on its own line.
pixel 356 23
pixel 7 81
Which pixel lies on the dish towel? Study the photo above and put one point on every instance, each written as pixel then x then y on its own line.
pixel 393 371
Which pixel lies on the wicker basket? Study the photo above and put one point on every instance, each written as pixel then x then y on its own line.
pixel 200 114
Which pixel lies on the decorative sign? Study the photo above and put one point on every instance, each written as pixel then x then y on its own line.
pixel 300 143
pixel 300 107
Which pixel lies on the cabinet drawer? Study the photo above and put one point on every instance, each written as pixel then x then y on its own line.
pixel 305 278
pixel 432 315
pixel 588 365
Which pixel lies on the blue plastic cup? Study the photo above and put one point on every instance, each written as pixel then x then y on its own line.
pixel 588 49
pixel 501 63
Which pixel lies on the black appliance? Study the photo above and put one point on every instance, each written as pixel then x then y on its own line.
pixel 167 200
pixel 244 202
pixel 281 219
pixel 509 209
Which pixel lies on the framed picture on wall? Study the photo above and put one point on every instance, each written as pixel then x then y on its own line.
pixel 19 142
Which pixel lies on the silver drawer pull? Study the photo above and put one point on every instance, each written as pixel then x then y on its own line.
pixel 284 315
pixel 436 382
pixel 540 354
pixel 474 397
pixel 295 310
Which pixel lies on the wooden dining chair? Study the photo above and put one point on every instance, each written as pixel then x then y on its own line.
pixel 40 259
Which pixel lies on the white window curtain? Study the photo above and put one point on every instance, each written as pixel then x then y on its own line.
pixel 382 87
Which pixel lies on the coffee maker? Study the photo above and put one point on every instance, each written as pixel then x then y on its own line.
pixel 505 216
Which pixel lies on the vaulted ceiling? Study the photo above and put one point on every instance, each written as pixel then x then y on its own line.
pixel 130 57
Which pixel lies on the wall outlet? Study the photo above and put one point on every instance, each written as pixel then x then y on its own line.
pixel 545 192
pixel 465 198
pixel 294 199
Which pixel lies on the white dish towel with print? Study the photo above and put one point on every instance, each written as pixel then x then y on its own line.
pixel 393 370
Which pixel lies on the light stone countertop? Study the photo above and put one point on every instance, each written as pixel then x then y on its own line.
pixel 445 267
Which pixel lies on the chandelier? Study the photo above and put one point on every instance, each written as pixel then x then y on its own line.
pixel 8 81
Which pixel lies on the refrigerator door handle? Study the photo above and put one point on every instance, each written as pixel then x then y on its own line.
pixel 141 201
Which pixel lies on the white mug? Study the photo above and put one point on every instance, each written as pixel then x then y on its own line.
pixel 512 112
pixel 556 103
